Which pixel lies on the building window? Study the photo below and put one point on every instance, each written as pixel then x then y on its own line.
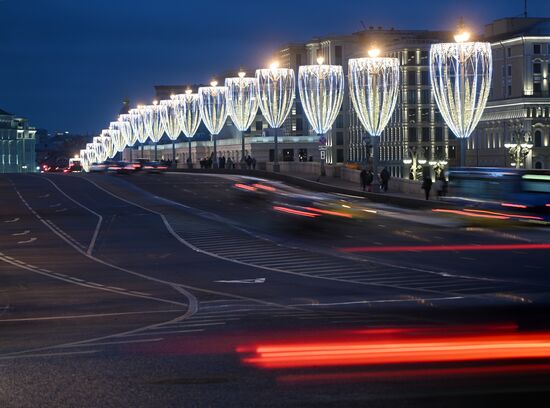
pixel 339 138
pixel 538 138
pixel 425 96
pixel 423 57
pixel 425 134
pixel 425 78
pixel 452 152
pixel 537 68
pixel 425 115
pixel 338 54
pixel 411 115
pixel 509 52
pixel 412 134
pixel 258 125
pixel 538 165
pixel 339 123
pixel 299 125
pixel 509 93
pixel 537 49
pixel 411 77
pixel 437 116
pixel 438 134
pixel 411 58
pixel 509 70
pixel 411 97
pixel 339 155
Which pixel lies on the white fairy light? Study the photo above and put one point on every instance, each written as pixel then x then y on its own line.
pixel 125 127
pixel 151 123
pixel 116 133
pixel 188 115
pixel 136 121
pixel 108 143
pixel 374 87
pixel 213 108
pixel 100 150
pixel 276 93
pixel 242 102
pixel 169 119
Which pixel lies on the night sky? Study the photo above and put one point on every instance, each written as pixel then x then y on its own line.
pixel 67 64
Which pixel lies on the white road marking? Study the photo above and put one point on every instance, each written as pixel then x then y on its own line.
pixel 61 210
pixel 44 196
pixel 17 234
pixel 12 220
pixel 109 343
pixel 381 301
pixel 246 281
pixel 88 316
pixel 27 241
pixel 8 357
pixel 55 205
pixel 144 333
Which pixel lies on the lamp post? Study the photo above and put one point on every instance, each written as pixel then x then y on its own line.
pixel 276 93
pixel 519 147
pixel 242 104
pixel 136 121
pixel 374 87
pixel 189 117
pixel 321 92
pixel 213 109
pixel 461 74
pixel 170 123
pixel 152 125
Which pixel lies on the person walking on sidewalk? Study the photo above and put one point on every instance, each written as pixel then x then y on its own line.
pixel 363 176
pixel 427 186
pixel 384 179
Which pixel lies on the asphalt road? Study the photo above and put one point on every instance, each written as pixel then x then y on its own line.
pixel 149 290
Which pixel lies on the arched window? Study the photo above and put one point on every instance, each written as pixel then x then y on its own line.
pixel 538 165
pixel 538 138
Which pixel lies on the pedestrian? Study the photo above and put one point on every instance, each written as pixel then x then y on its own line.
pixel 384 179
pixel 253 163
pixel 363 177
pixel 248 162
pixel 370 179
pixel 229 163
pixel 427 186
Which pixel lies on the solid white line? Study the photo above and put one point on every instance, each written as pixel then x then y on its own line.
pixel 86 316
pixel 71 353
pixel 27 241
pixel 382 301
pixel 109 343
pixel 98 226
pixel 160 333
pixel 21 233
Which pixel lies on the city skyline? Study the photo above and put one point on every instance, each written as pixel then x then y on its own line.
pixel 59 87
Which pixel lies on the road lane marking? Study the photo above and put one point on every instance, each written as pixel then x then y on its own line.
pixel 61 210
pixel 17 234
pixel 246 281
pixel 99 216
pixel 109 343
pixel 55 205
pixel 88 316
pixel 44 196
pixel 27 241
pixel 12 220
pixel 70 353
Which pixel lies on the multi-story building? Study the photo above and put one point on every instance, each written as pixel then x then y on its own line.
pixel 519 95
pixel 416 130
pixel 17 144
pixel 336 50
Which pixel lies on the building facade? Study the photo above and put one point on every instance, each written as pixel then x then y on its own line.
pixel 17 144
pixel 519 95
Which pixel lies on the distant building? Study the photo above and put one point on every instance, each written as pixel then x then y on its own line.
pixel 17 144
pixel 519 93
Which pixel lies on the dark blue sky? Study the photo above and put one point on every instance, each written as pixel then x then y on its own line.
pixel 68 64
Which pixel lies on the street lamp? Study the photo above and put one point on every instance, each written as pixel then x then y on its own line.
pixel 242 104
pixel 374 87
pixel 169 120
pixel 276 93
pixel 213 108
pixel 136 121
pixel 189 117
pixel 321 92
pixel 520 147
pixel 152 125
pixel 460 74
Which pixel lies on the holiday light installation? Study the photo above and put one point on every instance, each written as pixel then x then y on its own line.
pixel 136 121
pixel 213 108
pixel 276 93
pixel 101 153
pixel 321 90
pixel 374 87
pixel 108 143
pixel 125 127
pixel 152 124
pixel 170 123
pixel 242 104
pixel 189 116
pixel 461 81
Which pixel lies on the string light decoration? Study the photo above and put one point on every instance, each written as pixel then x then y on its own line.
pixel 84 160
pixel 152 124
pixel 188 114
pixel 136 121
pixel 125 127
pixel 100 150
pixel 460 75
pixel 108 143
pixel 213 108
pixel 90 148
pixel 242 103
pixel 321 90
pixel 276 93
pixel 374 87
pixel 115 133
pixel 169 122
